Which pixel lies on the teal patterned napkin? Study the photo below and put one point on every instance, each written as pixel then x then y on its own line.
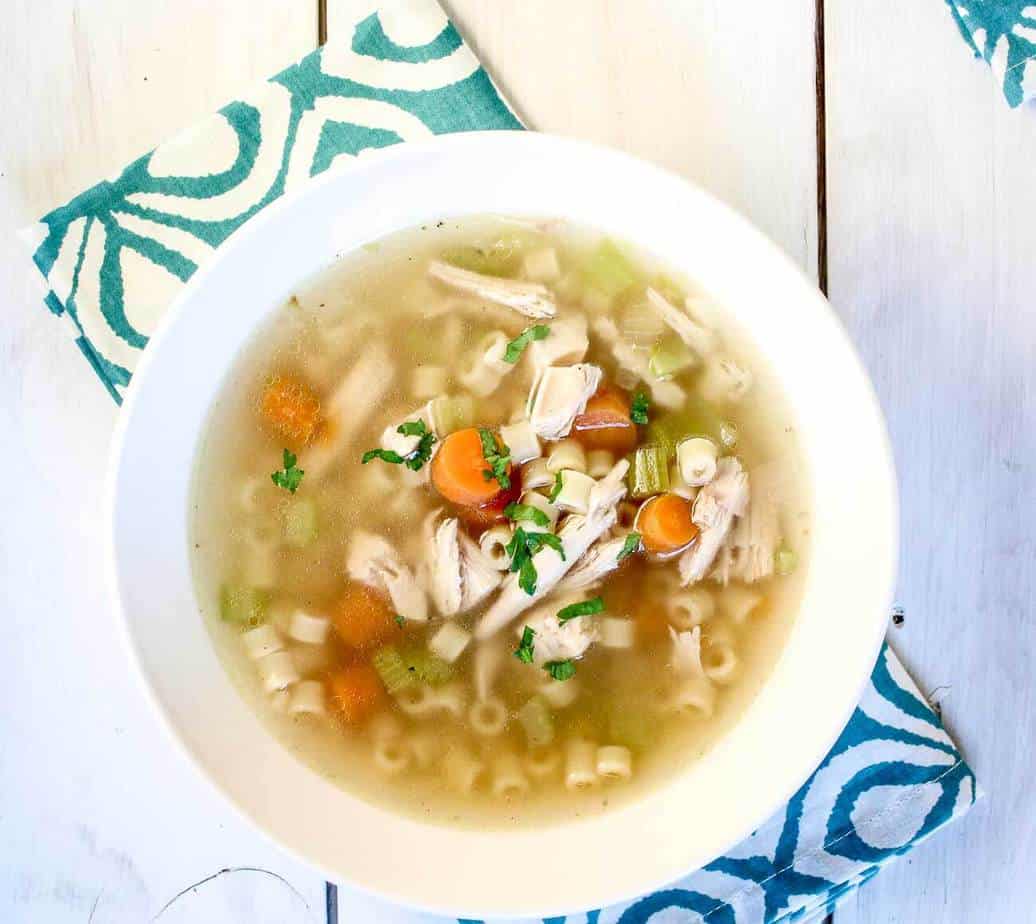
pixel 116 255
pixel 1003 33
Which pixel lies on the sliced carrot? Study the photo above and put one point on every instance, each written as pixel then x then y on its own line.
pixel 291 408
pixel 356 691
pixel 665 524
pixel 363 617
pixel 606 424
pixel 459 470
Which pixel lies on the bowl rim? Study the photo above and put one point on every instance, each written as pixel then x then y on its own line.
pixel 273 213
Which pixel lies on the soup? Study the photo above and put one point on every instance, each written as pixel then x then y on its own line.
pixel 498 521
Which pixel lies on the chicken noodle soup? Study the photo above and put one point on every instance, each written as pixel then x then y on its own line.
pixel 499 521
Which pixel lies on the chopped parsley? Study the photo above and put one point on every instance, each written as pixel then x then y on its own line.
pixel 413 460
pixel 498 462
pixel 519 512
pixel 556 490
pixel 631 545
pixel 400 620
pixel 524 650
pixel 639 408
pixel 517 346
pixel 290 477
pixel 522 547
pixel 560 670
pixel 584 608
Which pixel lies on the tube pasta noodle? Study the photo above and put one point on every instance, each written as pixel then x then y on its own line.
pixel 720 661
pixel 691 607
pixel 385 726
pixel 307 698
pixel 542 763
pixel 391 755
pixel 427 747
pixel 462 768
pixel 486 368
pixel 599 462
pixel 277 671
pixel 508 779
pixel 614 762
pixel 487 717
pixel 617 632
pixel 560 695
pixel 451 698
pixel 580 764
pixel 493 543
pixel 418 699
pixel 308 628
pixel 737 603
pixel 311 659
pixel 535 474
pixel 567 453
pixel 537 500
pixel 261 641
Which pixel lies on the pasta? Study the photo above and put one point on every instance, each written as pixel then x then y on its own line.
pixel 691 607
pixel 617 632
pixel 308 628
pixel 614 762
pixel 462 768
pixel 599 462
pixel 542 763
pixel 508 778
pixel 566 454
pixel 261 641
pixel 580 764
pixel 391 755
pixel 493 543
pixel 307 698
pixel 487 717
pixel 277 671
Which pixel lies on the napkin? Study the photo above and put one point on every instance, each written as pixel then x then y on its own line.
pixel 1003 34
pixel 116 255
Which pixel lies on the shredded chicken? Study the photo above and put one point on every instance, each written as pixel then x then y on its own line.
pixel 558 641
pixel 698 337
pixel 577 534
pixel 459 575
pixel 373 561
pixel 532 299
pixel 566 343
pixel 636 364
pixel 558 396
pixel 748 552
pixel 693 690
pixel 715 507
pixel 724 381
pixel 601 559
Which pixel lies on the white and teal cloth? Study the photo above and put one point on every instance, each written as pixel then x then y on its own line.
pixel 1003 34
pixel 115 256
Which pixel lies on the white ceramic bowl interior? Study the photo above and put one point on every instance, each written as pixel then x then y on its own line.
pixel 715 801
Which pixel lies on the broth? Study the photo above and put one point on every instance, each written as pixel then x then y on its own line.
pixel 353 605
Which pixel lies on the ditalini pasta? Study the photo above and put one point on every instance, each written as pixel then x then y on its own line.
pixel 500 521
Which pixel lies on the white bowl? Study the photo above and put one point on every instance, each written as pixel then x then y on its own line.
pixel 717 800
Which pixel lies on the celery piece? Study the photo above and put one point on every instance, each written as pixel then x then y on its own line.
pixel 392 669
pixel 454 412
pixel 300 522
pixel 669 289
pixel 649 471
pixel 696 418
pixel 499 257
pixel 538 723
pixel 243 605
pixel 785 560
pixel 669 356
pixel 608 270
pixel 426 667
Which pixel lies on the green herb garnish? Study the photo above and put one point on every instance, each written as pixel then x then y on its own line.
pixel 639 408
pixel 585 608
pixel 524 650
pixel 522 547
pixel 556 490
pixel 519 512
pixel 290 477
pixel 400 620
pixel 498 462
pixel 414 460
pixel 631 545
pixel 560 670
pixel 515 348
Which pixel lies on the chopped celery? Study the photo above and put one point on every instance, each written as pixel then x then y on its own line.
pixel 300 522
pixel 728 434
pixel 649 471
pixel 669 356
pixel 392 669
pixel 426 667
pixel 608 270
pixel 243 605
pixel 696 418
pixel 669 289
pixel 454 412
pixel 785 560
pixel 538 723
pixel 499 257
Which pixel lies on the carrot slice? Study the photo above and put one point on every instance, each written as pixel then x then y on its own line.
pixel 356 691
pixel 459 470
pixel 665 524
pixel 606 424
pixel 291 408
pixel 363 617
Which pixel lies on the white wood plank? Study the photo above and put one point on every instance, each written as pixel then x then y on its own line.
pixel 102 819
pixel 931 241
pixel 721 95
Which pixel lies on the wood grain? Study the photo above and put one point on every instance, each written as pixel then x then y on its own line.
pixel 932 234
pixel 102 819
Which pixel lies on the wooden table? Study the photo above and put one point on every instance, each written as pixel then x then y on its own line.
pixel 914 202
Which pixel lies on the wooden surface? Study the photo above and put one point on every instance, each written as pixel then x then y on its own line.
pixel 931 221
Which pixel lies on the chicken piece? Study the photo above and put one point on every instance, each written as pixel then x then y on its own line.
pixel 724 381
pixel 558 641
pixel 392 439
pixel 691 331
pixel 459 574
pixel 635 364
pixel 350 405
pixel 601 559
pixel 532 299
pixel 372 561
pixel 714 510
pixel 693 691
pixel 748 552
pixel 559 395
pixel 577 534
pixel 566 343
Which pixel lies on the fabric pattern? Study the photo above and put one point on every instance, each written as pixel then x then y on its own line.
pixel 1003 34
pixel 116 255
